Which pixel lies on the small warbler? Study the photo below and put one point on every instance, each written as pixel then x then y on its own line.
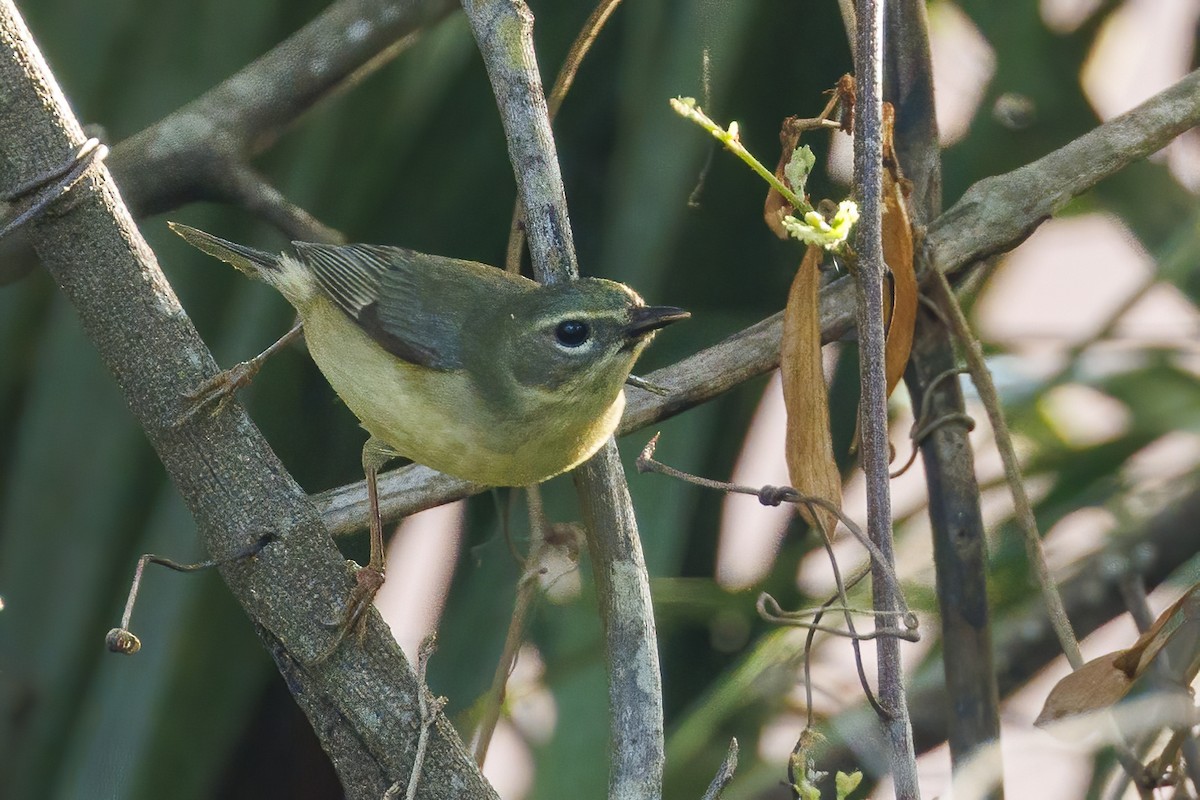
pixel 459 366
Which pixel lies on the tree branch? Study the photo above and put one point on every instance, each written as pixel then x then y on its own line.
pixel 361 702
pixel 503 30
pixel 998 213
pixel 873 422
pixel 959 545
pixel 197 152
pixel 203 150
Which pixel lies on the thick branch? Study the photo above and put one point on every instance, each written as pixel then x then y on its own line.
pixel 195 152
pixel 998 213
pixel 361 702
pixel 971 700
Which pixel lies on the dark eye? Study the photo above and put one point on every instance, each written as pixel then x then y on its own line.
pixel 572 333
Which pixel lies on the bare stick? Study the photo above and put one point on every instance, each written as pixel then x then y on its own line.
pixel 429 708
pixel 428 714
pixel 526 594
pixel 868 172
pixel 1023 509
pixel 724 773
pixel 773 496
pixel 503 31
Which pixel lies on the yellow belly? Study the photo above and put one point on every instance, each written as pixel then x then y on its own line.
pixel 438 419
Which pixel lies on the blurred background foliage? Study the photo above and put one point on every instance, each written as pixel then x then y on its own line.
pixel 414 155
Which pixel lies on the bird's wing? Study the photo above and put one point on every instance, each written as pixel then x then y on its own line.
pixel 414 305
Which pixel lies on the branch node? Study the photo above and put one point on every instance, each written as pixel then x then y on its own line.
pixel 52 185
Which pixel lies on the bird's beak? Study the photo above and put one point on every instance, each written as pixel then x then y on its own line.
pixel 644 319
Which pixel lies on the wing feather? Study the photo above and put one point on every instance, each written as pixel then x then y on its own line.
pixel 413 305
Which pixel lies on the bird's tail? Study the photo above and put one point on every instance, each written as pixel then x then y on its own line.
pixel 250 261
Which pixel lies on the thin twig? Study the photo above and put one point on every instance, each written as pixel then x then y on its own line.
pixel 855 643
pixel 1023 509
pixel 810 638
pixel 122 639
pixel 868 243
pixel 526 594
pixel 724 773
pixel 429 708
pixel 773 496
pixel 770 610
pixel 429 711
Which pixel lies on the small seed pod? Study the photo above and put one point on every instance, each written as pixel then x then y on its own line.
pixel 120 640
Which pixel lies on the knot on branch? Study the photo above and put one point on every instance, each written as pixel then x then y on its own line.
pixel 775 495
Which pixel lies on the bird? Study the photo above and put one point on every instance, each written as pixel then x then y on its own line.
pixel 468 369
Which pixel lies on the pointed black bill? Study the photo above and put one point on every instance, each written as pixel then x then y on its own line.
pixel 644 319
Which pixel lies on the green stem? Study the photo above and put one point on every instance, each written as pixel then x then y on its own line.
pixel 686 107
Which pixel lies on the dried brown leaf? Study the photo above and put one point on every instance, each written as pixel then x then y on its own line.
pixel 809 445
pixel 1177 631
pixel 847 94
pixel 898 255
pixel 1097 684
pixel 1102 682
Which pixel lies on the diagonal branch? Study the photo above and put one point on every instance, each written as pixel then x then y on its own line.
pixel 195 152
pixel 361 702
pixel 998 213
pixel 204 149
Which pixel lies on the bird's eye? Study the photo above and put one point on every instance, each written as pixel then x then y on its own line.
pixel 572 333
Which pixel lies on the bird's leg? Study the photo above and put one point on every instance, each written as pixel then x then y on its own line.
pixel 369 578
pixel 222 387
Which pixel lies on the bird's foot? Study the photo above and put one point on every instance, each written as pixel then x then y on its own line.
pixel 368 580
pixel 220 389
